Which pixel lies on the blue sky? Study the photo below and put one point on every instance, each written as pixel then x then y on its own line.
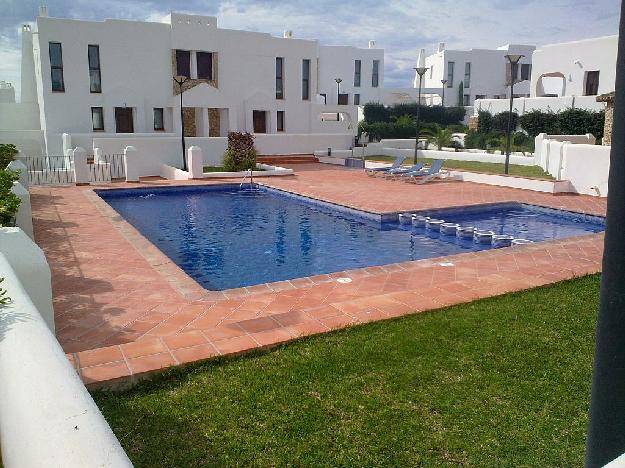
pixel 401 27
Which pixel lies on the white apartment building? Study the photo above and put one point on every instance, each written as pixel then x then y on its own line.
pixel 565 75
pixel 579 68
pixel 484 73
pixel 99 78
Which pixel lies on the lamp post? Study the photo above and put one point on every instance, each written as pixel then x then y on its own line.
pixel 420 69
pixel 338 93
pixel 181 80
pixel 444 82
pixel 513 60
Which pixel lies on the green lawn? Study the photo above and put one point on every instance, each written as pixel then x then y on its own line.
pixel 496 168
pixel 498 382
pixel 222 169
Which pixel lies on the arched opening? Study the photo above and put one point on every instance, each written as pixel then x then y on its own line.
pixel 552 84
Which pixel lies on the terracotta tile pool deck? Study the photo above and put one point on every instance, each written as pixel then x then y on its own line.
pixel 123 310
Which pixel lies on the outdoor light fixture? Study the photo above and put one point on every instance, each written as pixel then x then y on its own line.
pixel 513 60
pixel 338 94
pixel 420 69
pixel 181 80
pixel 444 82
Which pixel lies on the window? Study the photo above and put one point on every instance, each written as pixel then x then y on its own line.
pixel 325 97
pixel 124 120
pixel 375 78
pixel 480 96
pixel 431 71
pixel 467 75
pixel 260 121
pixel 159 121
pixel 280 121
pixel 591 87
pixel 356 99
pixel 306 79
pixel 279 77
pixel 450 74
pixel 512 71
pixel 343 99
pixel 183 63
pixel 56 66
pixel 97 119
pixel 526 71
pixel 357 70
pixel 95 83
pixel 466 100
pixel 204 65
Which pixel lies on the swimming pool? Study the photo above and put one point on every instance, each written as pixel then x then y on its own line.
pixel 224 237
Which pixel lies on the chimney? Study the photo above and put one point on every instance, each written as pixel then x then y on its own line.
pixel 371 44
pixel 288 34
pixel 43 10
pixel 441 47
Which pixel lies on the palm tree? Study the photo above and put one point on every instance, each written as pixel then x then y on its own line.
pixel 440 136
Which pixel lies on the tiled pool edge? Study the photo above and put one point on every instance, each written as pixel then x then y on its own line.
pixel 188 288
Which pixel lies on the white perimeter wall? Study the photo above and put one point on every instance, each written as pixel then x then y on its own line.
pixel 552 104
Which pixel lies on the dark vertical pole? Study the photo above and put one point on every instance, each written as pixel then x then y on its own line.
pixel 416 143
pixel 443 98
pixel 509 141
pixel 606 430
pixel 184 159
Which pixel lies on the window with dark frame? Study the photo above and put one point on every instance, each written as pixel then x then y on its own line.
pixel 325 97
pixel 159 121
pixel 280 121
pixel 526 71
pixel 467 75
pixel 356 99
pixel 375 75
pixel 279 77
pixel 450 74
pixel 204 65
pixel 97 119
pixel 466 100
pixel 305 79
pixel 183 63
pixel 357 72
pixel 591 87
pixel 95 79
pixel 56 66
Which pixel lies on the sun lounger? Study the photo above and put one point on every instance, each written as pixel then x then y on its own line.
pixel 381 170
pixel 400 171
pixel 425 175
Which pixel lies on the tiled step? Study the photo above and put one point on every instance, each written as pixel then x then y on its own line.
pixel 287 159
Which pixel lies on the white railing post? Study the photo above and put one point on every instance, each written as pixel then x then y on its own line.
pixel 97 155
pixel 67 142
pixel 18 165
pixel 47 416
pixel 131 164
pixel 81 169
pixel 195 162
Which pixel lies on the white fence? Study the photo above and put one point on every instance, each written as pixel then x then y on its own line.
pixel 585 165
pixel 523 105
pixel 47 417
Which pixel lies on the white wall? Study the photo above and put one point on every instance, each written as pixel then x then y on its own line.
pixel 47 417
pixel 572 60
pixel 545 104
pixel 301 144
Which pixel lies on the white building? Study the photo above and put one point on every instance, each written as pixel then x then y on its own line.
pixel 566 75
pixel 484 73
pixel 578 68
pixel 99 78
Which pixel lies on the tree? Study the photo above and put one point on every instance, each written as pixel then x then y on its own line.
pixel 439 136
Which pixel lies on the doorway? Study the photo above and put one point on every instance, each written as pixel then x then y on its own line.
pixel 123 120
pixel 260 121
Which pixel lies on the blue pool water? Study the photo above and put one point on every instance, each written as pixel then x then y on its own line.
pixel 226 238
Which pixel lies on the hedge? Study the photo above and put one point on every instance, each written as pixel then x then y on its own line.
pixel 375 112
pixel 567 122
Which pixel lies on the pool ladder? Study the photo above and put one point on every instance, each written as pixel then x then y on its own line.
pixel 249 174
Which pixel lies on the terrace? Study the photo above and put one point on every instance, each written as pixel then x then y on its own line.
pixel 124 310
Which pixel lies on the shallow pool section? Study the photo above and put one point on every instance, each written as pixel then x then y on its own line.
pixel 225 237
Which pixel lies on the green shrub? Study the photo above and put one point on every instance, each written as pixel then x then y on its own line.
pixel 535 122
pixel 240 154
pixel 500 122
pixel 375 112
pixel 440 137
pixel 9 202
pixel 8 153
pixel 580 122
pixel 484 122
pixel 475 140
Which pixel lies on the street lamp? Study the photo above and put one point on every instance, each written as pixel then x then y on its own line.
pixel 338 93
pixel 444 82
pixel 181 80
pixel 513 59
pixel 420 69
